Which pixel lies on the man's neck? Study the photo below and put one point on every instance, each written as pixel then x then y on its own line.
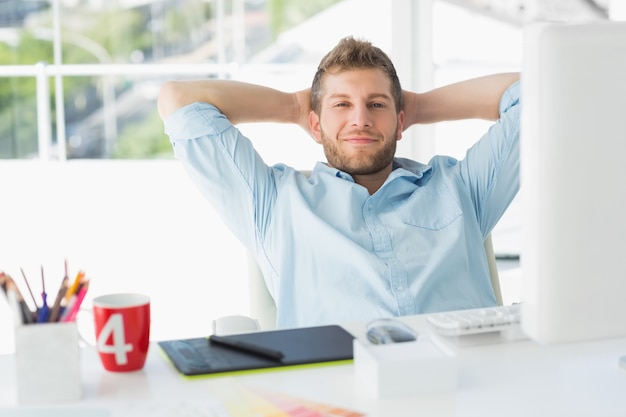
pixel 373 182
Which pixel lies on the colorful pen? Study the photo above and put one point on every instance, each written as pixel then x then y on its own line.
pixel 77 300
pixel 74 287
pixel 44 312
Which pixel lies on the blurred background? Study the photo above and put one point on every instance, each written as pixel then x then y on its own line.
pixel 87 175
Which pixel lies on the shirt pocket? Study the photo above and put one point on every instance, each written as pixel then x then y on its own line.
pixel 429 208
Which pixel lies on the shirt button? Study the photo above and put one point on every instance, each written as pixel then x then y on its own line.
pixel 399 288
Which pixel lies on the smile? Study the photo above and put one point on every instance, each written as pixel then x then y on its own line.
pixel 360 140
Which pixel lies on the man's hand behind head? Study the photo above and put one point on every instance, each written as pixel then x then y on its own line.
pixel 303 101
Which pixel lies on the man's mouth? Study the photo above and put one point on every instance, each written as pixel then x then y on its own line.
pixel 359 139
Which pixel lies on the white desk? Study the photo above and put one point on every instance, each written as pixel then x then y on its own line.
pixel 499 379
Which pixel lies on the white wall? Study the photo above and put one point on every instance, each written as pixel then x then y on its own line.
pixel 131 226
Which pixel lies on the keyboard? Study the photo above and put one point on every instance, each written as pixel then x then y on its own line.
pixel 476 321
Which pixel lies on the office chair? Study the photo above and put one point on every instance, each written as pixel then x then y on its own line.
pixel 263 308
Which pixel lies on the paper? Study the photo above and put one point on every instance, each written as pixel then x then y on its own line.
pixel 228 398
pixel 242 401
pixel 53 412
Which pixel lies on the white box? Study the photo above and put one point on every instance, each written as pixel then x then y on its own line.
pixel 48 363
pixel 402 369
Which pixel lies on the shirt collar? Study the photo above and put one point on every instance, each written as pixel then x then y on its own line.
pixel 402 168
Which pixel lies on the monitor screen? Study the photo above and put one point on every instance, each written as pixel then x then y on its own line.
pixel 573 179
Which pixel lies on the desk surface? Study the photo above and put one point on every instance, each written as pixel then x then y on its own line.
pixel 498 378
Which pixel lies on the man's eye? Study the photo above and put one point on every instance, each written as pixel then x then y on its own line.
pixel 378 105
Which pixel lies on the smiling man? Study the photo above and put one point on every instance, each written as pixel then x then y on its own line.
pixel 361 122
pixel 368 234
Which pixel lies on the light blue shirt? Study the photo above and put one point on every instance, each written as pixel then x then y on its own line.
pixel 331 252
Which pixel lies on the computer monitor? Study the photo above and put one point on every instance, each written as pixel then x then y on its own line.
pixel 573 181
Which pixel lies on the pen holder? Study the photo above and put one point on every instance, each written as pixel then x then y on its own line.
pixel 48 363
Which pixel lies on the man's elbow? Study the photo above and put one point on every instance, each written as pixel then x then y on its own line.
pixel 170 98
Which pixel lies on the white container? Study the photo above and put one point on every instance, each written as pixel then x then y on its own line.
pixel 48 363
pixel 404 369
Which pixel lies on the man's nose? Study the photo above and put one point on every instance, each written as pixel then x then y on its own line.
pixel 361 116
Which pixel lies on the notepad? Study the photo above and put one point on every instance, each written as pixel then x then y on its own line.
pixel 300 346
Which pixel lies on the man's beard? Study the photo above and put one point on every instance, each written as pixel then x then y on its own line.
pixel 359 164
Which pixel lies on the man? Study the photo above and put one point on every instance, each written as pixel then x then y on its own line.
pixel 367 235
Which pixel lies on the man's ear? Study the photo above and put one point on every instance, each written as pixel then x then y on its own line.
pixel 400 124
pixel 314 126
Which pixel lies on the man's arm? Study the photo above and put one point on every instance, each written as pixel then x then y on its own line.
pixel 477 98
pixel 239 102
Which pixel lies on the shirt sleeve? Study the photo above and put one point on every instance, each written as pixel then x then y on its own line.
pixel 224 166
pixel 491 166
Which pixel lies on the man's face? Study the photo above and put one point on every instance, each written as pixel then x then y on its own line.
pixel 358 124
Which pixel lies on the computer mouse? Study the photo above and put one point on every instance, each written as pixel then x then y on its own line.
pixel 386 331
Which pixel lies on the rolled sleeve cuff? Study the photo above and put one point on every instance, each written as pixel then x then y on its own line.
pixel 195 120
pixel 510 98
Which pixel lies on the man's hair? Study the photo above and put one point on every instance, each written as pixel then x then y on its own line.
pixel 353 54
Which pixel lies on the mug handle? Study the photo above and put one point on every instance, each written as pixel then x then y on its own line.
pixel 86 327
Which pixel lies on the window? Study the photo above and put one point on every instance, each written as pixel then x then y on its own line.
pixel 106 61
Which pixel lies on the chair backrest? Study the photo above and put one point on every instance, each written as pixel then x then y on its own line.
pixel 493 269
pixel 263 308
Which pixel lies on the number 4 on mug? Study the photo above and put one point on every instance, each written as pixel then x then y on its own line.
pixel 114 329
pixel 122 322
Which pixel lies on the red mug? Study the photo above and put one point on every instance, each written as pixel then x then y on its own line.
pixel 122 324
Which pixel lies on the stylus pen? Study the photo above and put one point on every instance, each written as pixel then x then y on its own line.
pixel 247 347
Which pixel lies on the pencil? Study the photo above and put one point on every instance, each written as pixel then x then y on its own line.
pixel 69 306
pixel 78 299
pixel 56 307
pixel 18 316
pixel 23 314
pixel 3 281
pixel 74 287
pixel 32 296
